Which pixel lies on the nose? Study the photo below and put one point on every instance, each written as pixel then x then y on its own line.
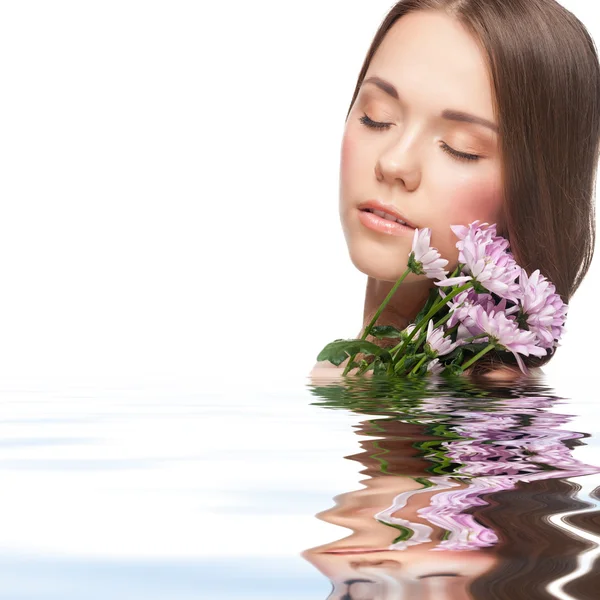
pixel 399 162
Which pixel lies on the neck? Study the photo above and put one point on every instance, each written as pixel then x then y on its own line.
pixel 401 309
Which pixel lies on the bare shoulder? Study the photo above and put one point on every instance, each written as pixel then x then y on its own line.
pixel 324 372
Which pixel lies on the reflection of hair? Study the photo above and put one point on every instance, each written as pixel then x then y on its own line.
pixel 395 452
pixel 546 80
pixel 532 552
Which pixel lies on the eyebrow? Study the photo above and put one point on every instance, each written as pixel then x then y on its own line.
pixel 452 115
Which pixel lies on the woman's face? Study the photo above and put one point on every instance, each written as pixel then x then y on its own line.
pixel 361 565
pixel 439 74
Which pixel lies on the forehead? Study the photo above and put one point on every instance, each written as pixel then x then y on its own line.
pixel 434 62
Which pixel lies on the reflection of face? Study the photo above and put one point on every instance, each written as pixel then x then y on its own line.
pixel 362 568
pixel 434 64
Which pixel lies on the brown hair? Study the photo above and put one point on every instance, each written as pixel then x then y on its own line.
pixel 533 552
pixel 546 82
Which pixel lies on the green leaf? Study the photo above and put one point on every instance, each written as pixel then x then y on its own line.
pixel 338 351
pixel 474 347
pixel 456 356
pixel 385 331
pixel 407 365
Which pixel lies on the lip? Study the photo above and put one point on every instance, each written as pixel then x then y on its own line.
pixel 388 208
pixel 380 225
pixel 355 550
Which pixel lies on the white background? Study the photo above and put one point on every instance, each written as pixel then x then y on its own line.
pixel 169 212
pixel 169 189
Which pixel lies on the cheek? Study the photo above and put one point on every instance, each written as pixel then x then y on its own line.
pixel 349 160
pixel 476 198
pixel 470 199
pixel 357 156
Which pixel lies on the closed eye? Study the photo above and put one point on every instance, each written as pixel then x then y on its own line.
pixel 368 122
pixel 458 154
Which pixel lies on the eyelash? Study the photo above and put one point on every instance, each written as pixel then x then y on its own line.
pixel 365 120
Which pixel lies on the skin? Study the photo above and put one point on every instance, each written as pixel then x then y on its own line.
pixel 435 64
pixel 413 572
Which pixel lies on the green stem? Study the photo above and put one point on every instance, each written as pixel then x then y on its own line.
pixel 423 336
pixel 366 368
pixel 475 337
pixel 400 347
pixel 456 271
pixel 442 321
pixel 418 366
pixel 421 339
pixel 467 364
pixel 451 331
pixel 384 304
pixel 400 364
pixel 377 314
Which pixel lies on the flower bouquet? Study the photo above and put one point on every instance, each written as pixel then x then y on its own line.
pixel 488 303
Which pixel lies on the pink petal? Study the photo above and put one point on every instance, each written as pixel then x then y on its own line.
pixel 454 280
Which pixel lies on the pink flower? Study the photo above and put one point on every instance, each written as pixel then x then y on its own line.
pixel 425 260
pixel 436 343
pixel 505 332
pixel 434 367
pixel 543 308
pixel 486 260
pixel 462 313
pixel 406 332
pixel 461 306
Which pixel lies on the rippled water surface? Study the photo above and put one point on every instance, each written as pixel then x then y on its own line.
pixel 343 490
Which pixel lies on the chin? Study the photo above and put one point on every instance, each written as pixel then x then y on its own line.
pixel 379 265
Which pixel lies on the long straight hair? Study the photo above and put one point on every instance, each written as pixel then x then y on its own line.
pixel 546 90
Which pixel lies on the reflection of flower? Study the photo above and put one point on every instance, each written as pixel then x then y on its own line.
pixel 447 511
pixel 509 442
pixel 419 532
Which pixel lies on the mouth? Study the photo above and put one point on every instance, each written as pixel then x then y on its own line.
pixel 345 551
pixel 387 216
pixel 384 219
pixel 387 212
